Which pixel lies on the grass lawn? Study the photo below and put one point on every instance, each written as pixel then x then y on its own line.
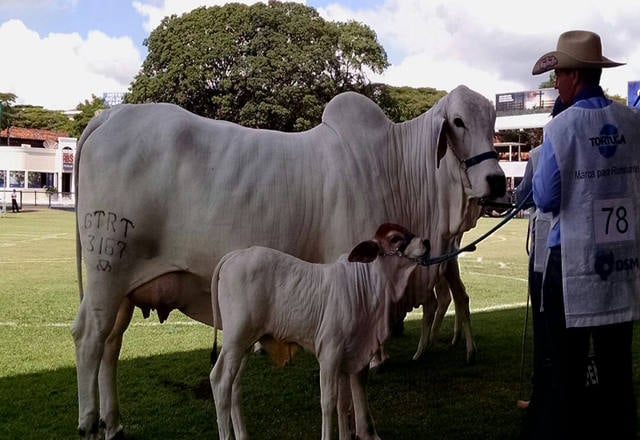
pixel 163 373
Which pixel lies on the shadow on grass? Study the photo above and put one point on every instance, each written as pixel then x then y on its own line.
pixel 168 396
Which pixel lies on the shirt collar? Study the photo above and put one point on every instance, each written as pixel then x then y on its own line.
pixel 589 92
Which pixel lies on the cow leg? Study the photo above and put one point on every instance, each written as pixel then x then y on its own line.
pixel 428 315
pixel 443 300
pixel 108 381
pixel 365 428
pixel 90 329
pixel 223 376
pixel 463 314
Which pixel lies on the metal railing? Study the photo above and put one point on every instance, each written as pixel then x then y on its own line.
pixel 63 200
pixel 37 198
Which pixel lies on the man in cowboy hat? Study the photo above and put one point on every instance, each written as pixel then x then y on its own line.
pixel 588 178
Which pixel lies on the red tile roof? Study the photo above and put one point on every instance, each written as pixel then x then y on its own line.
pixel 33 134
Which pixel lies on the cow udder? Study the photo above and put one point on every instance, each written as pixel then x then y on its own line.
pixel 163 294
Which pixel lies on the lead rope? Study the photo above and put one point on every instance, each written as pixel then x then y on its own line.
pixel 472 246
pixel 522 402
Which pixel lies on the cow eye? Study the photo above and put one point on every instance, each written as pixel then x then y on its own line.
pixel 458 122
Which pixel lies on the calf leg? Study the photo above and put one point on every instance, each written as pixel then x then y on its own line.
pixel 379 357
pixel 345 409
pixel 109 402
pixel 90 329
pixel 365 428
pixel 223 376
pixel 329 381
pixel 236 401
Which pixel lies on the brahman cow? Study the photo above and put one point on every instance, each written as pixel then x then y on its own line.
pixel 162 194
pixel 338 311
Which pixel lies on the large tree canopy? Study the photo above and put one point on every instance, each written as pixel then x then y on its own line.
pixel 30 116
pixel 271 65
pixel 88 109
pixel 405 103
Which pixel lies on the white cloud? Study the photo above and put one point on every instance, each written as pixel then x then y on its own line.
pixel 419 70
pixel 61 70
pixel 491 45
pixel 154 14
pixel 488 45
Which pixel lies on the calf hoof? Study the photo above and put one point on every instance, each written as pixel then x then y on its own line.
pixel 117 436
pixel 471 356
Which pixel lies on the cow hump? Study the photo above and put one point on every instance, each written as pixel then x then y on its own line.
pixel 349 110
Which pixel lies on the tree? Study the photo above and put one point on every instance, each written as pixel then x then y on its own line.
pixel 88 109
pixel 271 66
pixel 550 83
pixel 29 116
pixel 6 101
pixel 616 97
pixel 404 103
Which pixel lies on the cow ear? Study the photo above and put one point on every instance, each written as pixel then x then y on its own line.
pixel 365 252
pixel 441 129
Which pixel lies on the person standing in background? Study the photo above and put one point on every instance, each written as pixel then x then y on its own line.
pixel 14 202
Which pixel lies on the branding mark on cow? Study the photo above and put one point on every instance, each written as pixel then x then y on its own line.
pixel 108 236
pixel 103 266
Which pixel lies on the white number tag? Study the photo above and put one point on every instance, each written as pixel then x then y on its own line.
pixel 614 220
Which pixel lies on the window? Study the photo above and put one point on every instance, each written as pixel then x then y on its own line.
pixel 40 180
pixel 3 179
pixel 16 179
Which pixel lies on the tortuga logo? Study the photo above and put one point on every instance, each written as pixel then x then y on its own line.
pixel 608 140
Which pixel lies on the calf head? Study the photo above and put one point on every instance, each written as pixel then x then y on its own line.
pixel 392 240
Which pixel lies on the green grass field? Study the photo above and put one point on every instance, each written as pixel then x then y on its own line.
pixel 163 373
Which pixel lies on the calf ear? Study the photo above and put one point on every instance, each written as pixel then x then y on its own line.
pixel 365 252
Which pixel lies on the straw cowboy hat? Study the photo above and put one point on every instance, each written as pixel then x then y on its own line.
pixel 575 50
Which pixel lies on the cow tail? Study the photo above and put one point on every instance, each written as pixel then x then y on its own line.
pixel 91 127
pixel 217 320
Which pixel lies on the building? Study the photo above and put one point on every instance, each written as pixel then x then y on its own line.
pixel 520 111
pixel 32 160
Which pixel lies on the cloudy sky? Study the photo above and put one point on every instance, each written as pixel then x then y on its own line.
pixel 57 53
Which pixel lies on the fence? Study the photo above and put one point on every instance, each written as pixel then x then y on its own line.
pixel 37 198
pixel 62 200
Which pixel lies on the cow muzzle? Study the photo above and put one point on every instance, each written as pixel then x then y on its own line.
pixel 497 185
pixel 423 260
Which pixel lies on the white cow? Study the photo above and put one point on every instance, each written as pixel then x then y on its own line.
pixel 162 194
pixel 338 311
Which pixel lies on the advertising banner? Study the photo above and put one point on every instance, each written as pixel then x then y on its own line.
pixel 633 93
pixel 527 100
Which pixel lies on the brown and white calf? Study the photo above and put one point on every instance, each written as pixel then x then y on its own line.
pixel 338 311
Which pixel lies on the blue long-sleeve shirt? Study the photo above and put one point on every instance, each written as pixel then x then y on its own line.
pixel 547 187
